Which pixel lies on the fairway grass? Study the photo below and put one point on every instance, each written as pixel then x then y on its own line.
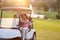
pixel 47 29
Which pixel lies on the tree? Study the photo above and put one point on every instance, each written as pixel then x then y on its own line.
pixel 58 9
pixel 0 4
pixel 58 6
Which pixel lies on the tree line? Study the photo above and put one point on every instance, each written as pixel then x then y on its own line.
pixel 48 5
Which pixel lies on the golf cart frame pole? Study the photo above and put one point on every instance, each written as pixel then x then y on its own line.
pixel 1 13
pixel 30 13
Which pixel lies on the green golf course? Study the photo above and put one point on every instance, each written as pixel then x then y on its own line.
pixel 47 29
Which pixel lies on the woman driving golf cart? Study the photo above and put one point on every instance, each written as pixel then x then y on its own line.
pixel 25 22
pixel 25 25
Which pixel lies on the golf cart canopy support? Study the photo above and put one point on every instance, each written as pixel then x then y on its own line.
pixel 17 9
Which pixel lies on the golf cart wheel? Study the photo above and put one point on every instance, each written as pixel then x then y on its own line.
pixel 34 36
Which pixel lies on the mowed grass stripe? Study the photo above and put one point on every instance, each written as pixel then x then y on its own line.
pixel 47 25
pixel 47 29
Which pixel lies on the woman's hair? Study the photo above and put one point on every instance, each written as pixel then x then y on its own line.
pixel 30 19
pixel 25 15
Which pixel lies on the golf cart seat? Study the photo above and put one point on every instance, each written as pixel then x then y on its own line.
pixel 9 22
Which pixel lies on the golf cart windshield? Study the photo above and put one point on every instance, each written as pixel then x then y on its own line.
pixel 8 20
pixel 7 17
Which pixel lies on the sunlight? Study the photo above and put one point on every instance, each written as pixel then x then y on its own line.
pixel 21 2
pixel 18 3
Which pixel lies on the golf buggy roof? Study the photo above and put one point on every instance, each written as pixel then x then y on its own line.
pixel 16 8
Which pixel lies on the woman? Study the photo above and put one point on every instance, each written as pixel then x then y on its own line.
pixel 25 25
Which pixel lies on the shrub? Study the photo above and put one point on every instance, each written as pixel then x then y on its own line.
pixel 58 16
pixel 45 17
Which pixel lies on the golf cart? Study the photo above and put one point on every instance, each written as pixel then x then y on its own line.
pixel 9 29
